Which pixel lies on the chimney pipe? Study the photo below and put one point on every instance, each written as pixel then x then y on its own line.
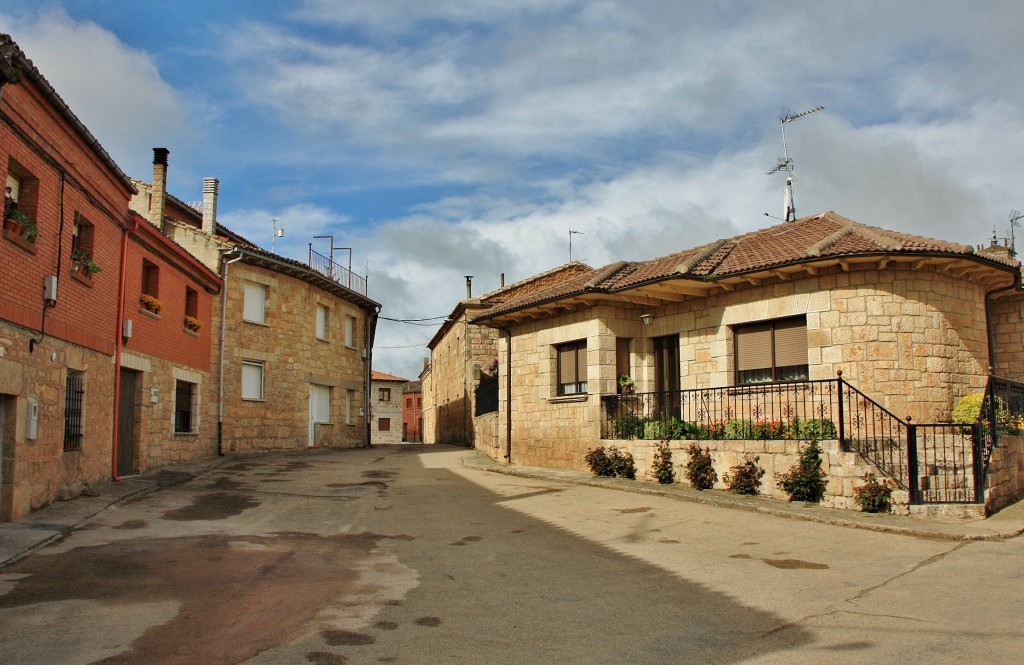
pixel 159 201
pixel 211 186
pixel 469 286
pixel 502 280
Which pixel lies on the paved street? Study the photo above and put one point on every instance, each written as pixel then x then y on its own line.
pixel 399 554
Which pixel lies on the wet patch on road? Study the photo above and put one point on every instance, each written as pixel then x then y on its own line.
pixel 430 622
pixel 227 484
pixel 380 486
pixel 218 506
pixel 172 478
pixel 386 625
pixel 226 596
pixel 629 511
pixel 466 539
pixel 377 473
pixel 337 638
pixel 669 541
pixel 740 556
pixel 132 524
pixel 795 564
pixel 325 658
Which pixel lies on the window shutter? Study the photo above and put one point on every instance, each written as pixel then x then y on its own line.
pixel 567 364
pixel 791 342
pixel 581 362
pixel 754 347
pixel 621 356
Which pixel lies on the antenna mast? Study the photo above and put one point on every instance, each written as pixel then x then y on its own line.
pixel 571 234
pixel 786 164
pixel 1015 218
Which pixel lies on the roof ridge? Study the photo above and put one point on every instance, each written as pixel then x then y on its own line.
pixel 533 278
pixel 605 273
pixel 701 255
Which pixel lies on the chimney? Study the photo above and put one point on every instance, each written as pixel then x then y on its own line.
pixel 159 200
pixel 502 280
pixel 469 286
pixel 210 188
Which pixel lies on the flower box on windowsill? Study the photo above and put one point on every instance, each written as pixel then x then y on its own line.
pixel 80 274
pixel 149 313
pixel 17 234
pixel 194 333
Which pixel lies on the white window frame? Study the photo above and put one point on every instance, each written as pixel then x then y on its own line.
pixel 349 393
pixel 350 332
pixel 193 415
pixel 254 302
pixel 321 322
pixel 258 367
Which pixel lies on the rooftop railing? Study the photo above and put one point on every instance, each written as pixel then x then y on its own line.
pixel 340 274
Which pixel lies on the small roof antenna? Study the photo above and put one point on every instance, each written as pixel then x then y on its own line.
pixel 571 234
pixel 1015 218
pixel 786 164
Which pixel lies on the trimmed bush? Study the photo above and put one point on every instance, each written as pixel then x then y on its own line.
pixel 874 496
pixel 805 481
pixel 745 478
pixel 699 469
pixel 662 466
pixel 611 462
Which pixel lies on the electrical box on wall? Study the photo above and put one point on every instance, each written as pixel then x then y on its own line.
pixel 50 288
pixel 31 419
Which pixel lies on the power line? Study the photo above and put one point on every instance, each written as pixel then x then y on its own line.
pixel 432 318
pixel 406 346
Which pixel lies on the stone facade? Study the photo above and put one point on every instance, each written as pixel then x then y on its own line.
pixel 295 364
pixel 386 408
pixel 1006 476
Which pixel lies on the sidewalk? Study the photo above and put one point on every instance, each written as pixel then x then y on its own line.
pixel 21 538
pixel 1007 523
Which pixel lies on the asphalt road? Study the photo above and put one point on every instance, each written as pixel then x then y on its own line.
pixel 400 555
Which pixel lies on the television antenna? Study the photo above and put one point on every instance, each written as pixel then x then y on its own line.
pixel 786 164
pixel 1015 217
pixel 571 234
pixel 278 233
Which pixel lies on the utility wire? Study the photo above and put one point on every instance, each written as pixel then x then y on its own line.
pixel 407 346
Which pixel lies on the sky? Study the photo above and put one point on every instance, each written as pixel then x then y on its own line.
pixel 468 137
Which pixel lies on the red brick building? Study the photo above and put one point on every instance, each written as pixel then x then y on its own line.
pixel 412 412
pixel 65 216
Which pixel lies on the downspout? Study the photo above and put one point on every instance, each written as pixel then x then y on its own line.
pixel 119 339
pixel 223 332
pixel 988 321
pixel 508 392
pixel 371 333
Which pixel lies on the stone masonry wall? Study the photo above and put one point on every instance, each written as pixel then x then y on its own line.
pixel 1006 473
pixel 455 372
pixel 390 409
pixel 293 359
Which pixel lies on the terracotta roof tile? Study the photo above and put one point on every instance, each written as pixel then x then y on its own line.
pixel 381 376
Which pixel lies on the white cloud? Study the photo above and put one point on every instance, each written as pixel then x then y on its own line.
pixel 115 90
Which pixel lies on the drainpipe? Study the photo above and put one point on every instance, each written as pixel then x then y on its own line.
pixel 988 321
pixel 371 333
pixel 508 393
pixel 119 335
pixel 223 332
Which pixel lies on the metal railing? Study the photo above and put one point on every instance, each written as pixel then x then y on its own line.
pixel 340 274
pixel 935 462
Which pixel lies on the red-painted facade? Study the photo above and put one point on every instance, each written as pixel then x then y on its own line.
pixel 412 413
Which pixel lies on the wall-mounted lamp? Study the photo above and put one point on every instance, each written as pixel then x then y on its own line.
pixel 126 330
pixel 647 319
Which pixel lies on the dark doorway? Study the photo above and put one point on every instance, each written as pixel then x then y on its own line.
pixel 130 382
pixel 666 375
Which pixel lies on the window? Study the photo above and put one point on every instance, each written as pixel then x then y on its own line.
pixel 191 302
pixel 321 408
pixel 385 395
pixel 419 402
pixel 73 398
pixel 22 191
pixel 150 279
pixel 348 407
pixel 350 331
pixel 321 322
pixel 622 359
pixel 254 303
pixel 771 351
pixel 252 379
pixel 572 368
pixel 82 241
pixel 184 407
pixel 384 425
pixel 408 402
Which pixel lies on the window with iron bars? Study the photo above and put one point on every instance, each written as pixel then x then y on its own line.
pixel 73 399
pixel 184 398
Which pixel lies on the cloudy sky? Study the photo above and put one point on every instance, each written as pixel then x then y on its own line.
pixel 467 137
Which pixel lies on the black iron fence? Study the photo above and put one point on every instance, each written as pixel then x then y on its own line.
pixel 935 462
pixel 340 274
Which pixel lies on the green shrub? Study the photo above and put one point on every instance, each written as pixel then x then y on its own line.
pixel 662 466
pixel 739 428
pixel 805 481
pixel 699 469
pixel 968 409
pixel 629 426
pixel 655 430
pixel 611 462
pixel 874 496
pixel 817 429
pixel 745 478
pixel 600 462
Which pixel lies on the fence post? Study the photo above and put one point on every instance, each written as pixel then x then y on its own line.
pixel 978 445
pixel 915 490
pixel 842 424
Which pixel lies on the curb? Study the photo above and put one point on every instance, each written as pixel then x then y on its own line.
pixel 797 510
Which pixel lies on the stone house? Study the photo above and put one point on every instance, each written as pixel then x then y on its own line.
pixel 65 223
pixel 913 325
pixel 292 341
pixel 460 350
pixel 386 407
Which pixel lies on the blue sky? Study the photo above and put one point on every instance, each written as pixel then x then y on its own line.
pixel 455 137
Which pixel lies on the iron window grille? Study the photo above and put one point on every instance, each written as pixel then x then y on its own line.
pixel 73 401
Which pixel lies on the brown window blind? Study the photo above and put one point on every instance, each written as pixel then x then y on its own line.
pixel 754 347
pixel 763 349
pixel 790 342
pixel 622 357
pixel 572 368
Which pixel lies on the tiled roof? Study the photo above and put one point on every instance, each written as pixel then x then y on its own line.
pixel 815 238
pixel 381 376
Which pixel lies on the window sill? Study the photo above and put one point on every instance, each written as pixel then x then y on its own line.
pixel 254 399
pixel 565 399
pixel 16 238
pixel 193 333
pixel 256 323
pixel 186 434
pixel 82 276
pixel 146 312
